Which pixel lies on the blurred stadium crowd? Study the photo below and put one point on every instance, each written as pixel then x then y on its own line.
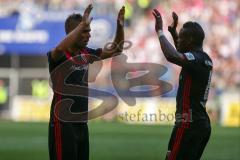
pixel 219 18
pixel 221 22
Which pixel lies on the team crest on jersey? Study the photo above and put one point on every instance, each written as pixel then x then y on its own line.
pixel 189 56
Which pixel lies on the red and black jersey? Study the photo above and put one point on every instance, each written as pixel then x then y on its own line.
pixel 78 76
pixel 194 83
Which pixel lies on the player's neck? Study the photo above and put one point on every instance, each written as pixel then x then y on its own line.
pixel 197 48
pixel 75 51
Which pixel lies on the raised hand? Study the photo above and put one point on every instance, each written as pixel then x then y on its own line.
pixel 158 18
pixel 173 27
pixel 120 19
pixel 86 16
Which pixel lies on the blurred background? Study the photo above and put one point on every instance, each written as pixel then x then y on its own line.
pixel 30 28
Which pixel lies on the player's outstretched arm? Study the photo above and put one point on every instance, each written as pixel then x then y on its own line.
pixel 171 54
pixel 74 36
pixel 173 28
pixel 117 46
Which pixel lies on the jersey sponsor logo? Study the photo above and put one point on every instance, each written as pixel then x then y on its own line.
pixel 189 56
pixel 80 67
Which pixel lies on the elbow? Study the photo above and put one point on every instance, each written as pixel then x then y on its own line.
pixel 170 56
pixel 170 59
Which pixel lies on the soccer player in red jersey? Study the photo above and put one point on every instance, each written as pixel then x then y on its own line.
pixel 192 127
pixel 69 140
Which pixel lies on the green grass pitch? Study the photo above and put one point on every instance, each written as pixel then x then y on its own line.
pixel 112 141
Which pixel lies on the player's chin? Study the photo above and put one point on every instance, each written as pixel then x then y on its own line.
pixel 83 45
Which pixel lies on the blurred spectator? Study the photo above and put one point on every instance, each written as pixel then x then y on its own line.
pixel 3 95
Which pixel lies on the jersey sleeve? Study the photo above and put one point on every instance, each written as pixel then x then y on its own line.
pixel 52 64
pixel 196 61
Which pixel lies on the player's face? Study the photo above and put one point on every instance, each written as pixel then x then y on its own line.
pixel 85 36
pixel 184 41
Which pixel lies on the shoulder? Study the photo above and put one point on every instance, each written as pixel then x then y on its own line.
pixel 49 56
pixel 53 62
pixel 207 60
pixel 198 60
pixel 52 58
pixel 197 56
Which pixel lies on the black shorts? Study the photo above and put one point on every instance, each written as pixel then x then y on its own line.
pixel 188 143
pixel 68 141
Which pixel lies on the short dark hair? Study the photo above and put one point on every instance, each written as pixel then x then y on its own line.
pixel 71 19
pixel 196 31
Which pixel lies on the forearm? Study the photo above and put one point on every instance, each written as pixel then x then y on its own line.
pixel 175 38
pixel 169 51
pixel 174 35
pixel 117 46
pixel 119 38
